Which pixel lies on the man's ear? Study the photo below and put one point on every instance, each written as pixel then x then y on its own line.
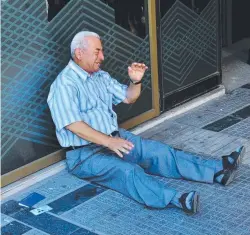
pixel 78 53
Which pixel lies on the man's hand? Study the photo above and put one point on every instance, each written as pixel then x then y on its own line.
pixel 136 71
pixel 119 145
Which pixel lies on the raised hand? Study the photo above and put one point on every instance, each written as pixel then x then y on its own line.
pixel 136 71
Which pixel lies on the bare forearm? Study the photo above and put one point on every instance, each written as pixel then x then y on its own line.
pixel 116 144
pixel 85 132
pixel 133 92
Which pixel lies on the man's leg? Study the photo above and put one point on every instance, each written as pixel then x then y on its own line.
pixel 160 159
pixel 106 168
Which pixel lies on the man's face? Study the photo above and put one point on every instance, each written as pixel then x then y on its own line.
pixel 91 58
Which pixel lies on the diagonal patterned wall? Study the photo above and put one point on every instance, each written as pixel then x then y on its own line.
pixel 25 66
pixel 35 51
pixel 189 45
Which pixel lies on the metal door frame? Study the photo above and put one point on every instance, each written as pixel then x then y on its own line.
pixel 155 111
pixel 211 81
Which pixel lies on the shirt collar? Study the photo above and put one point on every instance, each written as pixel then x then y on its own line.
pixel 81 72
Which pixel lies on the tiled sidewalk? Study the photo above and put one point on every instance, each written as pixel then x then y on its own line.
pixel 79 208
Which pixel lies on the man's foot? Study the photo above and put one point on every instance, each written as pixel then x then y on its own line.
pixel 225 176
pixel 233 160
pixel 231 163
pixel 190 202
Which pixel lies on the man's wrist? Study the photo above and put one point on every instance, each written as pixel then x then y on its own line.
pixel 135 82
pixel 106 141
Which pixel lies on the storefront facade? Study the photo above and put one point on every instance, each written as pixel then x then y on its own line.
pixel 177 39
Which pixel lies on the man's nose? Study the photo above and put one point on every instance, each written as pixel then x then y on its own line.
pixel 101 56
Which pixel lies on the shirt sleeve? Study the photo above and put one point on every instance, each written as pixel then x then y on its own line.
pixel 64 106
pixel 118 90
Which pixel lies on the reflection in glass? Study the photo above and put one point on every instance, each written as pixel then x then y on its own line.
pixel 130 15
pixel 196 5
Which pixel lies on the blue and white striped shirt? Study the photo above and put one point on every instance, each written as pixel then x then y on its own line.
pixel 76 95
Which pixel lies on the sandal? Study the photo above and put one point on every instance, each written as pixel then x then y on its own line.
pixel 229 169
pixel 237 158
pixel 228 176
pixel 195 203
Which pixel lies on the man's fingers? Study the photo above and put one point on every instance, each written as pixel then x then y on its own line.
pixel 129 145
pixel 138 66
pixel 118 153
pixel 124 150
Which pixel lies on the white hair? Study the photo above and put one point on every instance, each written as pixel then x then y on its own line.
pixel 79 40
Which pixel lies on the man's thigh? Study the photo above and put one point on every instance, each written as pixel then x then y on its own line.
pixel 105 164
pixel 145 151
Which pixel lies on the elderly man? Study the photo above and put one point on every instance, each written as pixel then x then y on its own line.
pixel 80 101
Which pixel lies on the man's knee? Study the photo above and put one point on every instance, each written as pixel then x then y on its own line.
pixel 127 169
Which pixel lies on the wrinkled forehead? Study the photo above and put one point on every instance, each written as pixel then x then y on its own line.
pixel 94 43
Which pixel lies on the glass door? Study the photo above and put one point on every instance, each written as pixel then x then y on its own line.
pixel 36 36
pixel 189 49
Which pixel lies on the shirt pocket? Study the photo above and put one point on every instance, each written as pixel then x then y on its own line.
pixel 104 97
pixel 88 101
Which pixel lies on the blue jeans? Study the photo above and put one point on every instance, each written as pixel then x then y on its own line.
pixel 132 174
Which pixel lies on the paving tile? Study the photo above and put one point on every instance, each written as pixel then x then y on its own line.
pixel 14 228
pixel 11 207
pixel 242 113
pixel 222 123
pixel 185 135
pixel 202 142
pixel 197 142
pixel 5 220
pixel 52 188
pixel 241 94
pixel 112 212
pixel 45 222
pixel 231 102
pixel 215 109
pixel 218 141
pixel 235 72
pixel 241 129
pixel 230 147
pixel 75 198
pixel 229 120
pixel 199 118
pixel 170 134
pixel 83 231
pixel 247 86
pixel 168 126
pixel 35 232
